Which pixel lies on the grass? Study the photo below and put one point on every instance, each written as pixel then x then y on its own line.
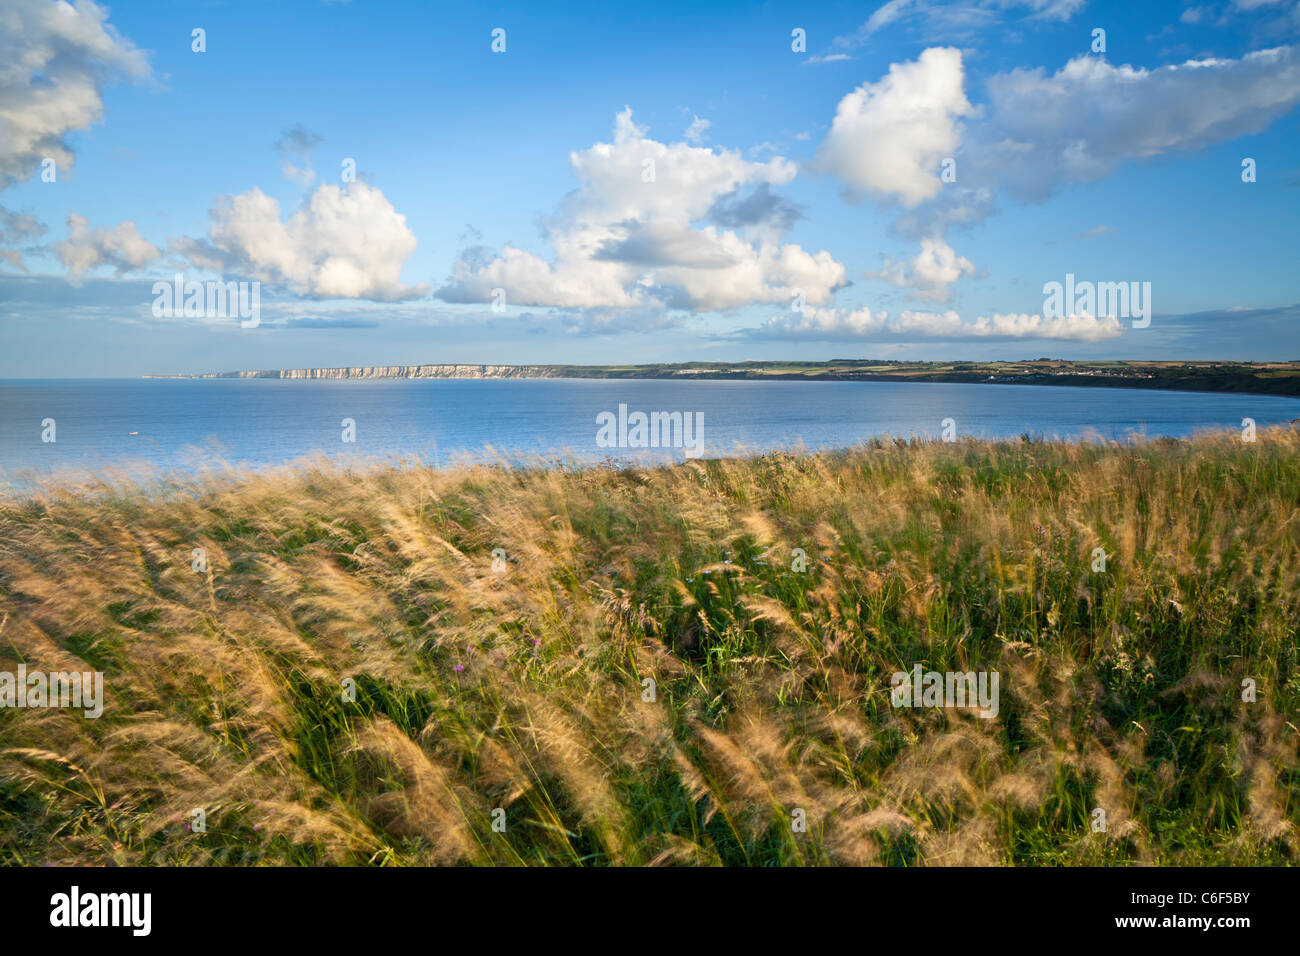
pixel 500 715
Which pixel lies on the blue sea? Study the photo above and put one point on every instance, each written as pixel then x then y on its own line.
pixel 185 424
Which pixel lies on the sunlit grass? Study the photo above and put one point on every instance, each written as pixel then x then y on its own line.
pixel 521 690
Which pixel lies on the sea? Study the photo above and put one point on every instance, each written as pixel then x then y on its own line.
pixel 57 428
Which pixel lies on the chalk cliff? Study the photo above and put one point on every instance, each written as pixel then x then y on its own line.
pixel 389 371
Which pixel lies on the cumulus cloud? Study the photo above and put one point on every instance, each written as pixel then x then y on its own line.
pixel 761 212
pixel 628 235
pixel 1082 122
pixel 843 324
pixel 343 242
pixel 1087 119
pixel 955 206
pixel 1039 132
pixel 889 137
pixel 930 274
pixel 55 59
pixel 122 247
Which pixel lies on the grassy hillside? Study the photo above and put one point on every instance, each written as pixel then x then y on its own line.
pixel 1268 378
pixel 521 688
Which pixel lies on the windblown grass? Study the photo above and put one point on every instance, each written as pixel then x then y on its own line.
pixel 522 689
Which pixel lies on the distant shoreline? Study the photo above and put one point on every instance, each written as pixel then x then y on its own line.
pixel 1259 378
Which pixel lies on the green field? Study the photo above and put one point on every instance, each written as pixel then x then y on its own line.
pixel 1276 378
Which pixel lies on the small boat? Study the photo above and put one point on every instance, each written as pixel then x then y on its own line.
pixel 133 433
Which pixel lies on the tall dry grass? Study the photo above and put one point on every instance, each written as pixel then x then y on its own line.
pixel 522 690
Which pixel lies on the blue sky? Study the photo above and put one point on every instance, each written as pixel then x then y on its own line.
pixel 796 206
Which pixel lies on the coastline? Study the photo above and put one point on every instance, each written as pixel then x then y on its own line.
pixel 1260 378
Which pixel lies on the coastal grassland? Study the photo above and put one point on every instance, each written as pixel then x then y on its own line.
pixel 522 688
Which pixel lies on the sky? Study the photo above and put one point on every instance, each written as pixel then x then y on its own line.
pixel 401 183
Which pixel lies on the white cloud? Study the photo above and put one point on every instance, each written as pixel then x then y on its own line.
pixel 55 59
pixel 823 323
pixel 1082 122
pixel 16 228
pixel 930 273
pixel 627 236
pixel 1042 9
pixel 842 324
pixel 886 14
pixel 1039 132
pixel 695 132
pixel 342 242
pixel 122 247
pixel 889 137
pixel 1095 231
pixel 953 19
